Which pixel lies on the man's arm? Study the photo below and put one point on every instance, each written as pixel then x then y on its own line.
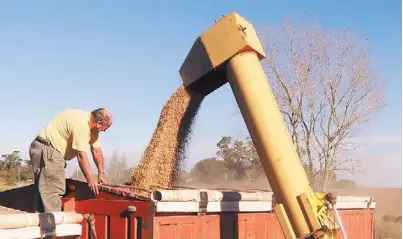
pixel 98 157
pixel 80 143
pixel 85 168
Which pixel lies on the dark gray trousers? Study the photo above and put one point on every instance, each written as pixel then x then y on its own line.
pixel 48 166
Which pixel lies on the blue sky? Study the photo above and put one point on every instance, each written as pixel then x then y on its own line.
pixel 85 55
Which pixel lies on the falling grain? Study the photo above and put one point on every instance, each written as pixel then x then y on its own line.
pixel 163 157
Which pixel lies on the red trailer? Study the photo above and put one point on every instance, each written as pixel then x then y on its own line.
pixel 197 213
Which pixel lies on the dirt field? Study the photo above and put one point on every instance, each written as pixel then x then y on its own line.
pixel 388 200
pixel 4 187
pixel 388 210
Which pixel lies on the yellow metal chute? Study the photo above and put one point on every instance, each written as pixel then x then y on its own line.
pixel 230 52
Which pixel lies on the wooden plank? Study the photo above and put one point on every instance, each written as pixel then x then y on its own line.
pixel 308 211
pixel 284 221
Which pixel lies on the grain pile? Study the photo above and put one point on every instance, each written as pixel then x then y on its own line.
pixel 164 155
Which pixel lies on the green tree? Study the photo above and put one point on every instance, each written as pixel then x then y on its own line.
pixel 11 161
pixel 26 170
pixel 2 165
pixel 15 168
pixel 27 162
pixel 239 156
pixel 344 184
pixel 208 170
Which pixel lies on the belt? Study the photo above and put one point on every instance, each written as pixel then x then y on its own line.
pixel 47 143
pixel 43 141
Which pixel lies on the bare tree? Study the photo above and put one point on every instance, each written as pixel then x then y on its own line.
pixel 325 88
pixel 117 171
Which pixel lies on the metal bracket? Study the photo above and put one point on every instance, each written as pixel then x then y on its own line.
pixel 47 225
pixel 203 204
pixel 284 221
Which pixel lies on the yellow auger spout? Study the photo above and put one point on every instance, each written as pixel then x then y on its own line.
pixel 230 51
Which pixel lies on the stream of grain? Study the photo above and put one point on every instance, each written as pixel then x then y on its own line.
pixel 163 158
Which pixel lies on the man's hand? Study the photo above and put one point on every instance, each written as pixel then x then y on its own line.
pixel 102 178
pixel 93 186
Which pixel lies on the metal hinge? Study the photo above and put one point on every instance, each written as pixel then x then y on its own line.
pixel 203 203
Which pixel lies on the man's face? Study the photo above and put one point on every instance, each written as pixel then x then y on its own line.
pixel 100 127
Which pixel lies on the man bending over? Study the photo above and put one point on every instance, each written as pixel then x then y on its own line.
pixel 65 137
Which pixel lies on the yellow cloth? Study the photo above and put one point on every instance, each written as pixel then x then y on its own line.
pixel 69 132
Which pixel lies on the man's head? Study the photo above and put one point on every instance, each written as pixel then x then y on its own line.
pixel 100 120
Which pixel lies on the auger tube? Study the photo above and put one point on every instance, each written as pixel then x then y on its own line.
pixel 230 52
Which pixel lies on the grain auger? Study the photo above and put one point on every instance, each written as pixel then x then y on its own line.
pixel 230 51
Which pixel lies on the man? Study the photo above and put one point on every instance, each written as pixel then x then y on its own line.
pixel 67 136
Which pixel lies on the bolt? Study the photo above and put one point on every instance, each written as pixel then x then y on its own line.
pixel 242 28
pixel 131 209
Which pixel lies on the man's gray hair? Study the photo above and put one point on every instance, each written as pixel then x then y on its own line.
pixel 100 115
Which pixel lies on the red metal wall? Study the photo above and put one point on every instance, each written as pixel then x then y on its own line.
pixel 259 225
pixel 113 222
pixel 357 223
pixel 187 227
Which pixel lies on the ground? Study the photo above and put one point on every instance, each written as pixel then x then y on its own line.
pixel 388 210
pixel 388 200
